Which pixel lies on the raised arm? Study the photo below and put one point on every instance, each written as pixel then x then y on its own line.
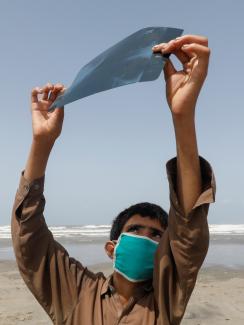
pixel 53 277
pixel 184 244
pixel 182 89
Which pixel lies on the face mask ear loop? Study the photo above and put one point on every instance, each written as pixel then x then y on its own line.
pixel 115 248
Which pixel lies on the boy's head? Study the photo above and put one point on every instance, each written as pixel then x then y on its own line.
pixel 148 222
pixel 143 219
pixel 144 210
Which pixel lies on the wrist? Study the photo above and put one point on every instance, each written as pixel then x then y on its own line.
pixel 43 144
pixel 184 120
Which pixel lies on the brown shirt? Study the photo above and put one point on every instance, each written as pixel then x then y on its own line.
pixel 73 295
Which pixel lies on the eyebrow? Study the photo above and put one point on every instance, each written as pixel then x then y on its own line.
pixel 143 227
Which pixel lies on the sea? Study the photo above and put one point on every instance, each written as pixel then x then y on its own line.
pixel 86 244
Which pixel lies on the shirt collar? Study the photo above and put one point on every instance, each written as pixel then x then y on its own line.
pixel 108 287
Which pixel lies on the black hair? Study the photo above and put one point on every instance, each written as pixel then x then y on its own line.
pixel 145 209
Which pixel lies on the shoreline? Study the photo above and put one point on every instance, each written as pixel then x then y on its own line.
pixel 224 250
pixel 217 298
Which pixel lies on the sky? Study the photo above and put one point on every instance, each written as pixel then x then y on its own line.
pixel 114 145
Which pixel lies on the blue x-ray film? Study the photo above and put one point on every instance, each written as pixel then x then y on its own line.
pixel 129 61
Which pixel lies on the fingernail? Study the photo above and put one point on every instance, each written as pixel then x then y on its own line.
pixel 185 46
pixel 177 38
pixel 155 47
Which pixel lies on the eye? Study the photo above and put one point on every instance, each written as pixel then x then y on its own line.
pixel 157 234
pixel 133 228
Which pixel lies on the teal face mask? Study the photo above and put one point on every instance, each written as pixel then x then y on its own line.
pixel 134 257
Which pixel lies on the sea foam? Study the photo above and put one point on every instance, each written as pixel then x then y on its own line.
pixel 102 231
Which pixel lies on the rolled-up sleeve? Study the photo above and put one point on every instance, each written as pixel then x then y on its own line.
pixel 54 278
pixel 183 246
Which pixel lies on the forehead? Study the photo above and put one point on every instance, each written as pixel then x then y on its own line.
pixel 144 221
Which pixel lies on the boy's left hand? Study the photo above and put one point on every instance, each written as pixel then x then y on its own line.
pixel 183 87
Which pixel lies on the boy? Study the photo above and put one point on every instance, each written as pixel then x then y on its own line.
pixel 156 259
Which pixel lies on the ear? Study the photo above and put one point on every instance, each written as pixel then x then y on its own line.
pixel 109 248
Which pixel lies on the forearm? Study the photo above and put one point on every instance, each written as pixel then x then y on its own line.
pixel 37 160
pixel 189 183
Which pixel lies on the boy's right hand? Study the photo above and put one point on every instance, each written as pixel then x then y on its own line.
pixel 47 126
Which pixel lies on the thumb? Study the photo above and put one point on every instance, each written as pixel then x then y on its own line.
pixel 57 115
pixel 169 69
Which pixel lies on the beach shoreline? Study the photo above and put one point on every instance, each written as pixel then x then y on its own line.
pixel 217 298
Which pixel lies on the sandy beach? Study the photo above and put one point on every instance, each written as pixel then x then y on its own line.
pixel 218 297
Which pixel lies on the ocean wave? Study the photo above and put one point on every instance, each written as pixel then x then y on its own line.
pixel 226 229
pixel 81 231
pixel 101 231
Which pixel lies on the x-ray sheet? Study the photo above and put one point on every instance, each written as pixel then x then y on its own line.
pixel 129 61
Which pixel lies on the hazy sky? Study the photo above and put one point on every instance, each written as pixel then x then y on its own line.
pixel 114 145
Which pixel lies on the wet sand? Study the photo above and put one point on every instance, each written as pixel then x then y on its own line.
pixel 218 297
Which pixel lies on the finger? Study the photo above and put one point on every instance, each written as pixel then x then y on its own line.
pixel 163 46
pixel 159 47
pixel 200 54
pixel 57 114
pixel 46 90
pixel 55 92
pixel 169 69
pixel 192 39
pixel 189 65
pixel 195 49
pixel 170 48
pixel 177 43
pixel 181 56
pixel 34 94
